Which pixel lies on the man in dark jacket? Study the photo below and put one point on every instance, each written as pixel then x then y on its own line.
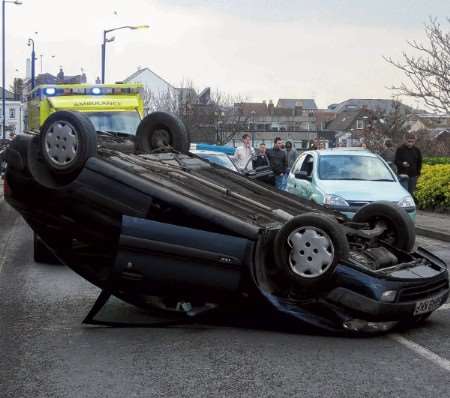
pixel 408 160
pixel 278 161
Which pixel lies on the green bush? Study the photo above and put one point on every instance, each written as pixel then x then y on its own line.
pixel 433 187
pixel 436 160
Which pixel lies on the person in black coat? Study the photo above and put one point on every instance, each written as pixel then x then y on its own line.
pixel 278 161
pixel 408 160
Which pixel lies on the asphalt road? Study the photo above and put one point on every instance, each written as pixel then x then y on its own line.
pixel 45 351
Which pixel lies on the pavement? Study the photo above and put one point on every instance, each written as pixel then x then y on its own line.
pixel 433 225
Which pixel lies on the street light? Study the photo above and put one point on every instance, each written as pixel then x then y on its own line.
pixel 17 2
pixel 105 40
pixel 33 62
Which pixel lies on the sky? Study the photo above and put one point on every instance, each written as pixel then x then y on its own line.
pixel 329 50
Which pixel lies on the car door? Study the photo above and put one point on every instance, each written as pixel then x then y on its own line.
pixel 302 185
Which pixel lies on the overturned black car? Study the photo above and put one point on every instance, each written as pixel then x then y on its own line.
pixel 158 227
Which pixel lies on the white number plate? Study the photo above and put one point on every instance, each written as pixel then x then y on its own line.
pixel 429 305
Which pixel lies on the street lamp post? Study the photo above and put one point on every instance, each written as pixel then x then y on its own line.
pixel 33 63
pixel 17 2
pixel 253 128
pixel 106 40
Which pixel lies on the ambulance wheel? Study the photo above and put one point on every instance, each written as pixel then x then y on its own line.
pixel 162 130
pixel 308 248
pixel 68 140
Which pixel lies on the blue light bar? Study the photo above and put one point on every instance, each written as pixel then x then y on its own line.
pixel 50 91
pixel 96 90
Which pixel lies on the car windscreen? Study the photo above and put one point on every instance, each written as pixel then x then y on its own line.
pixel 353 167
pixel 115 122
pixel 220 159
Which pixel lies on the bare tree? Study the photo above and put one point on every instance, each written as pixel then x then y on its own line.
pixel 387 125
pixel 215 120
pixel 428 72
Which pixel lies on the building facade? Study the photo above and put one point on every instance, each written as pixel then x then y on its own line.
pixel 14 115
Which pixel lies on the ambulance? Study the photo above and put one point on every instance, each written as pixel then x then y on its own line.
pixel 112 108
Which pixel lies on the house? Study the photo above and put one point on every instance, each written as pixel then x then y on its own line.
pixel 14 115
pixel 428 122
pixel 305 103
pixel 372 104
pixel 48 78
pixel 289 119
pixel 151 81
pixel 350 126
pixel 158 92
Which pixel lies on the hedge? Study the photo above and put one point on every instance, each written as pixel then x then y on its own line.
pixel 437 160
pixel 433 187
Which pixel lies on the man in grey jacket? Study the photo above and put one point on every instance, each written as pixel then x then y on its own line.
pixel 291 155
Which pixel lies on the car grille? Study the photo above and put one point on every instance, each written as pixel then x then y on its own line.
pixel 357 203
pixel 422 291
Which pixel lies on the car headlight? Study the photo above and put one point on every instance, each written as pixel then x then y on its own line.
pixel 407 201
pixel 335 201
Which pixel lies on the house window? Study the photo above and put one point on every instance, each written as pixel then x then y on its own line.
pixel 12 113
pixel 359 124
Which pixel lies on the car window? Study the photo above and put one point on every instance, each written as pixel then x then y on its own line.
pixel 298 163
pixel 353 167
pixel 116 122
pixel 307 165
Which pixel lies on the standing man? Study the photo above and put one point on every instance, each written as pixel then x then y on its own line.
pixel 278 160
pixel 244 154
pixel 408 160
pixel 291 155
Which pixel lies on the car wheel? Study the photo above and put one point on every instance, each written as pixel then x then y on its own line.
pixel 161 130
pixel 400 231
pixel 68 139
pixel 308 248
pixel 42 254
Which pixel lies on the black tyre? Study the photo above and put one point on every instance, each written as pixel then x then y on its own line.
pixel 42 254
pixel 67 140
pixel 400 231
pixel 308 248
pixel 161 130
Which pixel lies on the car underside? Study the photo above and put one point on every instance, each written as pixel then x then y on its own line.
pixel 146 221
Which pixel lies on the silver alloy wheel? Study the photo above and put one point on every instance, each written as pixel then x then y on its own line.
pixel 312 252
pixel 61 144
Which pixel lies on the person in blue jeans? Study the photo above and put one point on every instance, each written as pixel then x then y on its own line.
pixel 278 160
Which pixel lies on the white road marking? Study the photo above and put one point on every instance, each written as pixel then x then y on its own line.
pixel 422 351
pixel 444 307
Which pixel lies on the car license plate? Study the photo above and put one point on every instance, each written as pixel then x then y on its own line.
pixel 429 305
